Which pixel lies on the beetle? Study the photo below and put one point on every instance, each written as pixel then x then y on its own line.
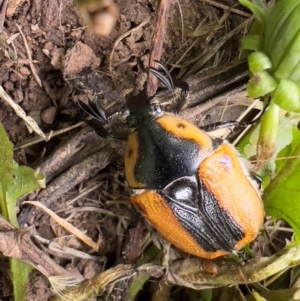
pixel 195 190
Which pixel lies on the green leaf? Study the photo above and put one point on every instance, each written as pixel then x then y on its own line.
pixel 252 42
pixel 277 295
pixel 258 12
pixel 15 181
pixel 261 84
pixel 290 60
pixel 206 295
pixel 286 135
pixel 282 196
pixel 258 297
pixel 276 20
pixel 289 148
pixel 287 36
pixel 266 145
pixel 195 295
pixel 136 286
pixel 151 254
pixel 258 61
pixel 287 95
pixel 19 274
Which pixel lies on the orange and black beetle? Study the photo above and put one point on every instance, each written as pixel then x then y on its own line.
pixel 195 190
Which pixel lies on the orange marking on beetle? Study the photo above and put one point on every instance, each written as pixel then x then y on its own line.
pixel 131 157
pixel 153 207
pixel 183 129
pixel 221 172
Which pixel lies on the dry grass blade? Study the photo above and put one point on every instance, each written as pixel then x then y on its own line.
pixel 182 22
pixel 211 51
pixel 243 115
pixel 90 209
pixel 30 58
pixel 59 284
pixel 202 29
pixel 36 140
pixel 227 8
pixel 3 7
pixel 66 251
pixel 188 272
pixel 30 122
pixel 97 285
pixel 62 222
pixel 69 177
pixel 9 51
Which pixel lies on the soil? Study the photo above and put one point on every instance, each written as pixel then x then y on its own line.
pixel 62 47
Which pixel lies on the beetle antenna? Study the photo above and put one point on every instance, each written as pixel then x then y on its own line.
pixel 95 111
pixel 166 80
pixel 167 72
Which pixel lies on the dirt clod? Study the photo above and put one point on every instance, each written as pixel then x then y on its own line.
pixel 79 57
pixel 48 115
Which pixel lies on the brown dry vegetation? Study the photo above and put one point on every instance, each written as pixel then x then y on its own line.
pixel 85 180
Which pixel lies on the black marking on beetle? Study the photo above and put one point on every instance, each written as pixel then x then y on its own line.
pixel 162 157
pixel 198 211
pixel 129 153
pixel 180 125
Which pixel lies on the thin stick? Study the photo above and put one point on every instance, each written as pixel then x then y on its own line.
pixel 30 58
pixel 2 14
pixel 66 225
pixel 50 135
pixel 157 43
pixel 29 121
pixel 225 7
pixel 182 22
pixel 242 116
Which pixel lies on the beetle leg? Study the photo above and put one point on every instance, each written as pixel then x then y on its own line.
pixel 167 72
pixel 120 131
pixel 221 125
pixel 226 124
pixel 95 110
pixel 256 178
pixel 168 82
pixel 100 119
pixel 178 100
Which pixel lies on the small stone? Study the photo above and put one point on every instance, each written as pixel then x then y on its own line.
pixel 48 115
pixel 56 57
pixel 25 71
pixel 14 77
pixel 18 96
pixel 81 56
pixel 8 86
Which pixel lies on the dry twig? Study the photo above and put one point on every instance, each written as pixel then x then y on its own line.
pixel 62 222
pixel 30 122
pixel 157 43
pixel 30 58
